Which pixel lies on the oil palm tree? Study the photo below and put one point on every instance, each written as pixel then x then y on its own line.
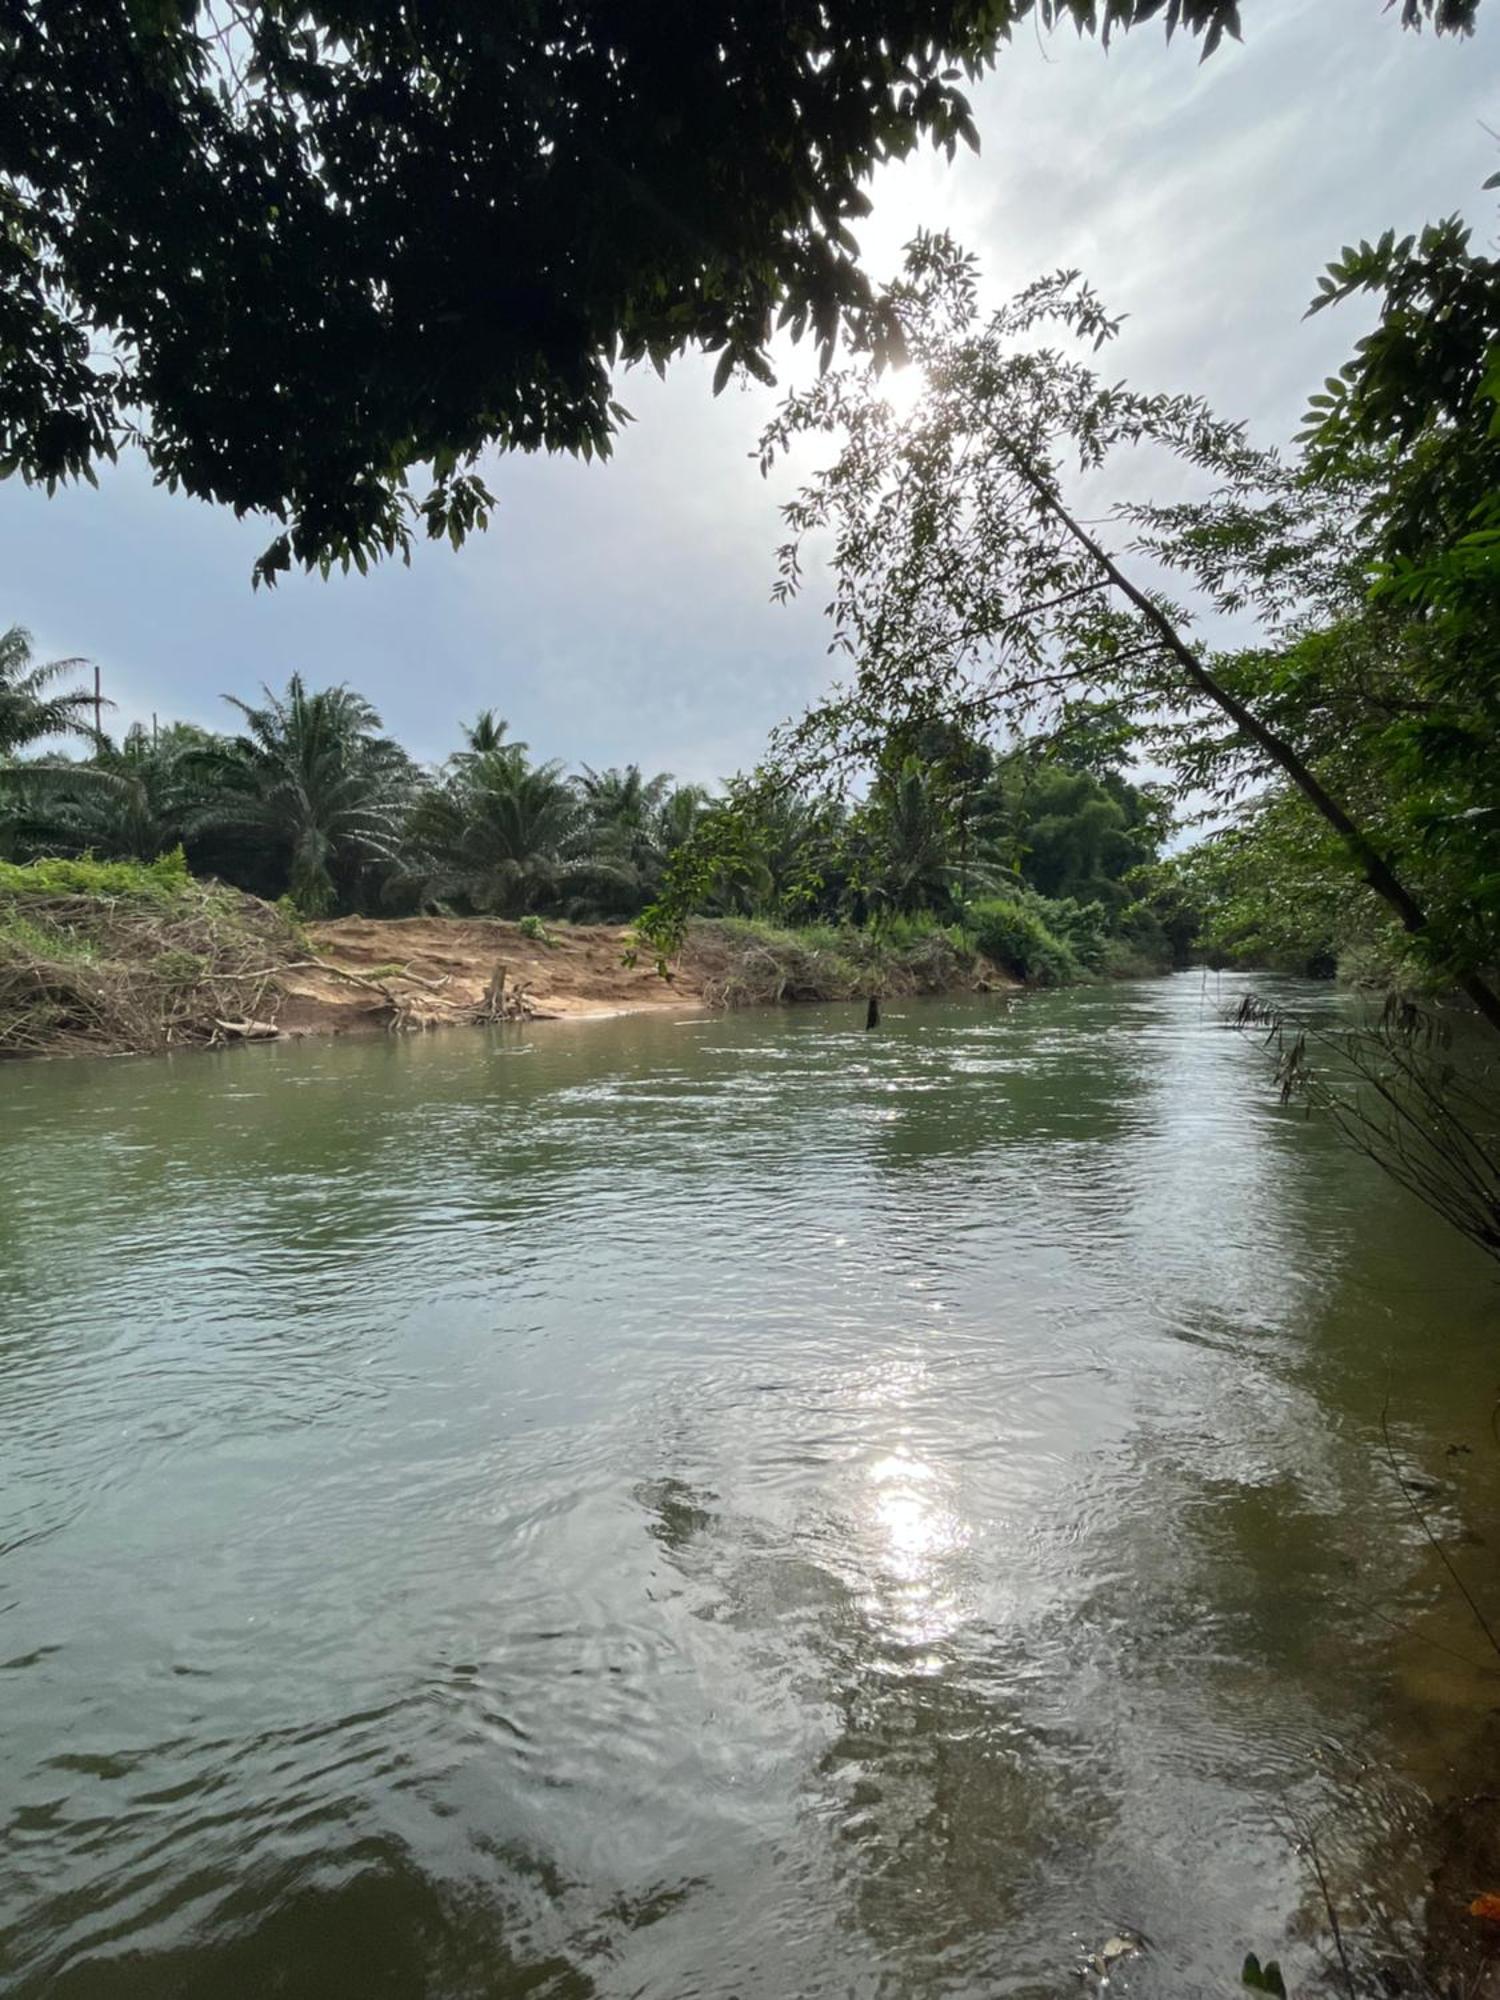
pixel 131 801
pixel 622 805
pixel 487 733
pixel 675 821
pixel 28 711
pixel 309 792
pixel 495 834
pixel 916 856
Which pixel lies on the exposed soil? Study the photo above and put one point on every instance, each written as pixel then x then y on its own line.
pixel 439 970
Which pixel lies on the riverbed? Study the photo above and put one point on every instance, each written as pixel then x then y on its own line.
pixel 725 1506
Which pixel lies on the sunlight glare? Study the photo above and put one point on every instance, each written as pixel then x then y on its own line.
pixel 902 388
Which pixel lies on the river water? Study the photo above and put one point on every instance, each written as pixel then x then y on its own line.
pixel 717 1506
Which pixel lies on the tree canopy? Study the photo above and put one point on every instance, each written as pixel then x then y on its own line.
pixel 969 584
pixel 303 252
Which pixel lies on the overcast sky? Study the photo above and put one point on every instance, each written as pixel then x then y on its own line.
pixel 621 612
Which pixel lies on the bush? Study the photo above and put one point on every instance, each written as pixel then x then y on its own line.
pixel 159 880
pixel 1013 936
pixel 1125 960
pixel 148 960
pixel 535 929
pixel 739 962
pixel 1083 928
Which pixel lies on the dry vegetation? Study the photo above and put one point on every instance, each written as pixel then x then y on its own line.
pixel 130 961
pixel 742 964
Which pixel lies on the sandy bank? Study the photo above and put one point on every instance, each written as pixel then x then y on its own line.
pixel 440 971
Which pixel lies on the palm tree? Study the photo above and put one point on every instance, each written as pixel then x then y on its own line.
pixel 487 733
pixel 916 855
pixel 131 801
pixel 495 834
pixel 27 712
pixel 312 785
pixel 676 819
pixel 622 803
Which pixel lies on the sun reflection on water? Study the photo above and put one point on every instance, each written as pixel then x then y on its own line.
pixel 920 1538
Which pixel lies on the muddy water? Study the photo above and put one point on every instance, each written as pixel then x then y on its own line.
pixel 725 1507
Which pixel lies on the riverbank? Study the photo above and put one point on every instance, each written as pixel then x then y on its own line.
pixel 117 959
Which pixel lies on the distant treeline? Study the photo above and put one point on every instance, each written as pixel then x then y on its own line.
pixel 1046 855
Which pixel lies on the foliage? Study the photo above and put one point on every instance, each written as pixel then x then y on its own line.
pixel 134 799
pixel 969 587
pixel 1272 890
pixel 1262 1978
pixel 311 806
pixel 1014 936
pixel 1076 833
pixel 311 788
pixel 945 821
pixel 155 881
pixel 28 712
pixel 533 928
pixel 1417 396
pixel 302 252
pixel 738 962
pixel 115 958
pixel 494 834
pixel 1405 1091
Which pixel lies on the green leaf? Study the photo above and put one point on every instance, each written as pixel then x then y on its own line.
pixel 1263 1978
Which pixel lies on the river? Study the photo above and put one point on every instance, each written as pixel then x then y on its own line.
pixel 717 1506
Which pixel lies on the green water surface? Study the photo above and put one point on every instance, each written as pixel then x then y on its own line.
pixel 728 1507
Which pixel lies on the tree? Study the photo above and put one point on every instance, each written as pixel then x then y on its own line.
pixel 303 252
pixel 495 834
pixel 310 796
pixel 487 733
pixel 969 585
pixel 623 807
pixel 1413 413
pixel 907 847
pixel 28 711
pixel 131 801
pixel 1073 834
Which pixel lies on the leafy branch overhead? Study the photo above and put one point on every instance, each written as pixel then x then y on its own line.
pixel 315 259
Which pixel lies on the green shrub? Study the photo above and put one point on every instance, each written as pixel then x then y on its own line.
pixel 160 879
pixel 532 927
pixel 1124 960
pixel 1012 936
pixel 294 918
pixel 1084 928
pixel 739 961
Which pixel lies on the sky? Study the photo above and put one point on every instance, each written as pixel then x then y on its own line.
pixel 621 612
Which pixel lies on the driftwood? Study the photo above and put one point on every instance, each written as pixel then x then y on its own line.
pixel 248 1031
